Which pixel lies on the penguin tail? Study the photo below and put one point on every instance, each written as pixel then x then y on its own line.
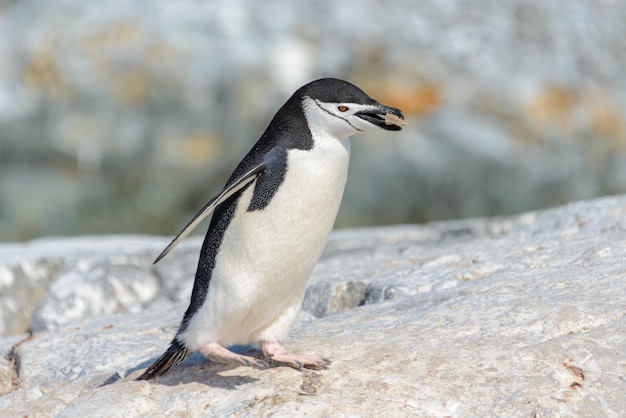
pixel 175 354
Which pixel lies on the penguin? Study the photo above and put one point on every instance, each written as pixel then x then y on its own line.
pixel 269 227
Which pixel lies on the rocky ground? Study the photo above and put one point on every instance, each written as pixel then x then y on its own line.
pixel 519 316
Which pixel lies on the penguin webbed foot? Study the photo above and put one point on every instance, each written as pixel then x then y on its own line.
pixel 276 354
pixel 218 354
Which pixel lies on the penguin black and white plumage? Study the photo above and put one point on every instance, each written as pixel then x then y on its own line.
pixel 269 228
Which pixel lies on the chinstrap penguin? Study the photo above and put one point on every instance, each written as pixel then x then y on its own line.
pixel 269 228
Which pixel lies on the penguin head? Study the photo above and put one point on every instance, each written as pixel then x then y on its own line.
pixel 341 109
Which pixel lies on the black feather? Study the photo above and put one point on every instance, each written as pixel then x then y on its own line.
pixel 175 354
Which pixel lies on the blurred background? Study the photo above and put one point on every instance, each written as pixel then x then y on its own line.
pixel 127 116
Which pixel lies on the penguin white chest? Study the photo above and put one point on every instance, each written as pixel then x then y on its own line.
pixel 283 241
pixel 267 255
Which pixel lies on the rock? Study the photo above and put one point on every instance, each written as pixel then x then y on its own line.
pixel 23 285
pixel 388 263
pixel 519 316
pixel 48 283
pixel 8 365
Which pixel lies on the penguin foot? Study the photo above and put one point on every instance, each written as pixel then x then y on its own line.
pixel 219 354
pixel 277 355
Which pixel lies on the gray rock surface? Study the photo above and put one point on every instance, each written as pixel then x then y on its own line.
pixel 47 283
pixel 521 316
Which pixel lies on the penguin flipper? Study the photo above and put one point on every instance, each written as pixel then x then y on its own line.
pixel 175 354
pixel 228 191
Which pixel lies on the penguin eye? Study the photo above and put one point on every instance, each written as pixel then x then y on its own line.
pixel 342 108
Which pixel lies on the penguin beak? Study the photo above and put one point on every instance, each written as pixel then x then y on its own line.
pixel 385 117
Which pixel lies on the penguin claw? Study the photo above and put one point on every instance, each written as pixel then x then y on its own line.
pixel 319 365
pixel 300 362
pixel 254 362
pixel 322 363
